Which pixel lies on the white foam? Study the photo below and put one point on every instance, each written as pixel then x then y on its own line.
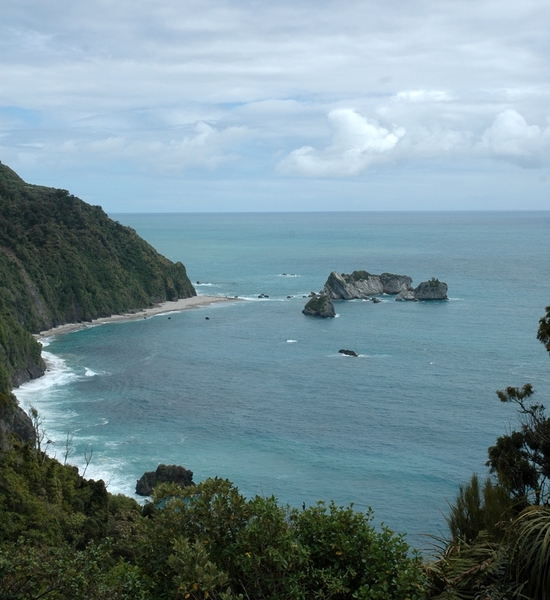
pixel 89 372
pixel 57 374
pixel 291 341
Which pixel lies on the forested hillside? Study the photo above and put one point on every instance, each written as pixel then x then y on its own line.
pixel 61 261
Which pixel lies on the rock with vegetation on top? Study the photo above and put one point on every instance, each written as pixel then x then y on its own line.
pixel 427 290
pixel 363 285
pixel 319 306
pixel 65 261
pixel 431 290
pixel 164 474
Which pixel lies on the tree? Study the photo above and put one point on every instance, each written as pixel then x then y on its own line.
pixel 500 535
pixel 521 459
pixel 210 541
pixel 543 334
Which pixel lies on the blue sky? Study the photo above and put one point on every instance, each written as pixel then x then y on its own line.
pixel 180 105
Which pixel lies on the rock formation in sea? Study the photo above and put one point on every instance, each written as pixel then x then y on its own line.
pixel 319 305
pixel 427 290
pixel 364 285
pixel 164 474
pixel 348 352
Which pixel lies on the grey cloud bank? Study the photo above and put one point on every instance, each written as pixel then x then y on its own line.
pixel 228 106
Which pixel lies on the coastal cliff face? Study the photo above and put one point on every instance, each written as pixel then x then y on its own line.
pixel 362 285
pixel 65 261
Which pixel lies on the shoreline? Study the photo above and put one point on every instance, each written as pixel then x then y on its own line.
pixel 164 307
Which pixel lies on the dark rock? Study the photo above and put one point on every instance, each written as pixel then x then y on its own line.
pixel 32 370
pixel 348 352
pixel 319 306
pixel 164 474
pixel 14 422
pixel 263 296
pixel 207 318
pixel 376 300
pixel 431 290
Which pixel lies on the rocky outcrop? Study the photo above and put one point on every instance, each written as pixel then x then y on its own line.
pixel 406 295
pixel 319 305
pixel 14 422
pixel 427 290
pixel 348 352
pixel 363 285
pixel 164 474
pixel 432 290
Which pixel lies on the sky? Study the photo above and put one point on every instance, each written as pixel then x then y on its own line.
pixel 300 105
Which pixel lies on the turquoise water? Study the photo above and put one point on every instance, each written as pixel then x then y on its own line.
pixel 258 392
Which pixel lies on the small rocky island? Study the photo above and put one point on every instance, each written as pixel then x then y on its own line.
pixel 319 305
pixel 362 285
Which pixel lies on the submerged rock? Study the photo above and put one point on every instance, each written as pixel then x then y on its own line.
pixel 319 306
pixel 164 474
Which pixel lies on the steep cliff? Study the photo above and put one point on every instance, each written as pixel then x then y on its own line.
pixel 63 261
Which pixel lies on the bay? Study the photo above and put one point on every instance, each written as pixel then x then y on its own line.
pixel 258 393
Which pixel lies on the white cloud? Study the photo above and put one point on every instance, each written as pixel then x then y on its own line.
pixel 203 147
pixel 511 138
pixel 356 144
pixel 424 96
pixel 179 86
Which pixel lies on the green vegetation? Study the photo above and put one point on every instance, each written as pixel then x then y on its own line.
pixel 500 532
pixel 63 261
pixel 63 537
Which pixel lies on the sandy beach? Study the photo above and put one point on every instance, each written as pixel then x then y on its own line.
pixel 163 307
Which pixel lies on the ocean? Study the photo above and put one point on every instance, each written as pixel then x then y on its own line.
pixel 256 392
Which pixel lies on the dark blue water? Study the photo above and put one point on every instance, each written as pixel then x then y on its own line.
pixel 258 392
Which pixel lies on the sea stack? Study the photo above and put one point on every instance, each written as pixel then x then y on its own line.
pixel 319 305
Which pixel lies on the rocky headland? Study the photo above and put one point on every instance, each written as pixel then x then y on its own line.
pixel 63 262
